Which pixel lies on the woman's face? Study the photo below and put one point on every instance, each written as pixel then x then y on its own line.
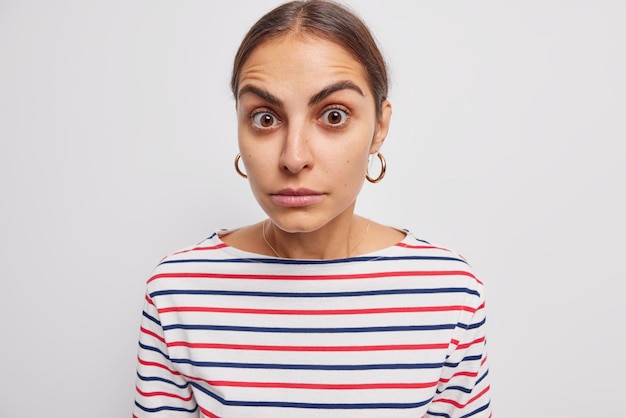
pixel 307 124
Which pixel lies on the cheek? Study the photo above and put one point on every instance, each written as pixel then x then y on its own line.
pixel 354 168
pixel 255 163
pixel 256 168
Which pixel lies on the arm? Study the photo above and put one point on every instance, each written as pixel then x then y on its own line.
pixel 463 389
pixel 160 389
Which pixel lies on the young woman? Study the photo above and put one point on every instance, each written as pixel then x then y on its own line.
pixel 315 311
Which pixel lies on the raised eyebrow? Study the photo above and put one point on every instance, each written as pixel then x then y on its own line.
pixel 327 91
pixel 263 94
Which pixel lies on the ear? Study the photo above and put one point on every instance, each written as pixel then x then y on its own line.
pixel 382 127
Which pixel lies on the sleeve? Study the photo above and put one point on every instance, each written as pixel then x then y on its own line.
pixel 463 389
pixel 160 390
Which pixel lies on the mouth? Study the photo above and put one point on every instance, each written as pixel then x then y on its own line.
pixel 296 197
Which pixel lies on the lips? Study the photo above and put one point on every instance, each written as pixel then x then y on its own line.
pixel 296 197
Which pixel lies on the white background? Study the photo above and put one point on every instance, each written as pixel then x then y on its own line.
pixel 117 139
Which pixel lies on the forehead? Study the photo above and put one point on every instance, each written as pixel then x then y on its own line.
pixel 303 63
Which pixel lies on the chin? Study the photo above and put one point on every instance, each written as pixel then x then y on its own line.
pixel 298 223
pixel 298 227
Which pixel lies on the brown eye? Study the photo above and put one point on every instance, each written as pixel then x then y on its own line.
pixel 264 120
pixel 335 117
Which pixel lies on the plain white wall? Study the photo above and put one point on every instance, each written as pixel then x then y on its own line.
pixel 117 139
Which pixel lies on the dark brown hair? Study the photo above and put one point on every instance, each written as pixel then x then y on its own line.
pixel 325 19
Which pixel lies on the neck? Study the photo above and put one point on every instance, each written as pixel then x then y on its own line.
pixel 333 241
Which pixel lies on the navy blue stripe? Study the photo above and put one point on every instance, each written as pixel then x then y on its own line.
pixel 464 389
pixel 165 408
pixel 459 388
pixel 482 377
pixel 381 292
pixel 309 330
pixel 481 409
pixel 334 367
pixel 472 326
pixel 160 379
pixel 151 318
pixel 438 414
pixel 261 260
pixel 477 324
pixel 301 405
pixel 476 411
pixel 150 348
pixel 468 358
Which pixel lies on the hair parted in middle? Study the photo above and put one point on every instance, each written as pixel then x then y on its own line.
pixel 327 20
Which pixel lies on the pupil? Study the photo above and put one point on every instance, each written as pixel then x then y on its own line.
pixel 266 120
pixel 335 117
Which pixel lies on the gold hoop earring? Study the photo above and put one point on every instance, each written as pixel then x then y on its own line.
pixel 241 173
pixel 383 169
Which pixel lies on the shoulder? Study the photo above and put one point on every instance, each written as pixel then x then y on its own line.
pixel 209 245
pixel 436 260
pixel 184 259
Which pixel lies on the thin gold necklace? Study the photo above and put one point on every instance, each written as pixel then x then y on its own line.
pixel 267 242
pixel 367 229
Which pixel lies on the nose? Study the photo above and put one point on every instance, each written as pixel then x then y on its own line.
pixel 296 154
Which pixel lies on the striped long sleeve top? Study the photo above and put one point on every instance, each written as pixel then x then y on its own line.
pixel 396 333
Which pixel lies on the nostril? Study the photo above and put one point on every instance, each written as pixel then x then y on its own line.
pixel 296 155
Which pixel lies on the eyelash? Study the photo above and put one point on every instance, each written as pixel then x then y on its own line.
pixel 262 111
pixel 340 108
pixel 277 121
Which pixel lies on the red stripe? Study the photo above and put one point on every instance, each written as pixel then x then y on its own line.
pixel 471 343
pixel 312 277
pixel 148 332
pixel 421 247
pixel 159 365
pixel 460 405
pixel 149 300
pixel 482 363
pixel 405 309
pixel 339 348
pixel 322 386
pixel 214 247
pixel 169 395
pixel 209 414
pixel 457 374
